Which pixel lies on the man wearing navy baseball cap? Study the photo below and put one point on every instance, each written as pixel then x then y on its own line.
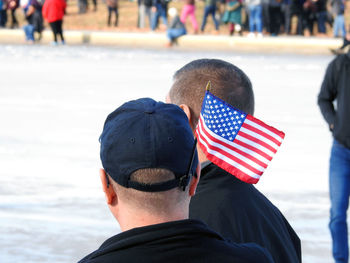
pixel 150 171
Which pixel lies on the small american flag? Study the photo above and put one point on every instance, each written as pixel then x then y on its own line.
pixel 235 141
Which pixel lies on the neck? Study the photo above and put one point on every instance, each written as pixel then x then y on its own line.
pixel 129 219
pixel 201 155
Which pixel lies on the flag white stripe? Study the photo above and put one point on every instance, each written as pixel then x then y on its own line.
pixel 254 144
pixel 256 125
pixel 229 151
pixel 260 137
pixel 228 160
pixel 235 145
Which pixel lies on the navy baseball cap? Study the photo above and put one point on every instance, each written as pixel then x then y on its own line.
pixel 143 134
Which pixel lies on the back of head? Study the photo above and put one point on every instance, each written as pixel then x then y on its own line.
pixel 146 150
pixel 228 83
pixel 161 203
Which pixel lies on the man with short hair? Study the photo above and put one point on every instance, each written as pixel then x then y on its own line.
pixel 150 173
pixel 231 207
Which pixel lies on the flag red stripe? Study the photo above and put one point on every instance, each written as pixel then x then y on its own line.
pixel 233 170
pixel 252 148
pixel 249 137
pixel 230 147
pixel 230 156
pixel 234 158
pixel 228 167
pixel 270 128
pixel 256 130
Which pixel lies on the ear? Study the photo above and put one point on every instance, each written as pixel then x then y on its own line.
pixel 194 181
pixel 110 194
pixel 184 107
pixel 167 98
pixel 187 111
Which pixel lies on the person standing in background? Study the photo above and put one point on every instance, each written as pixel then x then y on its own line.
pixel 338 8
pixel 297 10
pixel 265 16
pixel 232 15
pixel 275 12
pixel 321 16
pixel 3 15
pixel 53 12
pixel 12 5
pixel 210 9
pixel 112 6
pixel 335 89
pixel 189 9
pixel 159 9
pixel 145 9
pixel 255 17
pixel 309 17
pixel 286 12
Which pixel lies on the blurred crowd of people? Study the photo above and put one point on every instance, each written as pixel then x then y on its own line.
pixel 256 17
pixel 35 12
pixel 253 18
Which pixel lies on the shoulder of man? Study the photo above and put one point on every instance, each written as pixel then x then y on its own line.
pixel 251 253
pixel 335 66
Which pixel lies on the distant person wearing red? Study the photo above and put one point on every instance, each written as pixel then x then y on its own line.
pixel 53 12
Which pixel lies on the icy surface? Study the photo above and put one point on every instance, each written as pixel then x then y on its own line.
pixel 53 102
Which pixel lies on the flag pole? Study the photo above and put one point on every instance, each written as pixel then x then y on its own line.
pixel 208 87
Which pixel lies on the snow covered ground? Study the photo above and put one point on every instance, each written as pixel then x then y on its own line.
pixel 53 102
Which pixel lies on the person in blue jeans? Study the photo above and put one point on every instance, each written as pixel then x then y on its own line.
pixel 335 89
pixel 159 9
pixel 339 22
pixel 176 28
pixel 210 9
pixel 321 16
pixel 34 20
pixel 339 25
pixel 255 17
pixel 3 14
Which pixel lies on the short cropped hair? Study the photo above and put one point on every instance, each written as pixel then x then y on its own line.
pixel 228 82
pixel 153 202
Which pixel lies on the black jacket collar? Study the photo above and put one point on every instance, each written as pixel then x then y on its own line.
pixel 143 235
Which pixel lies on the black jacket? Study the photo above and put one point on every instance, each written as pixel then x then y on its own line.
pixel 336 87
pixel 176 23
pixel 179 241
pixel 239 212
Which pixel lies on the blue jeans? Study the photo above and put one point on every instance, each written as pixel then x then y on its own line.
pixel 255 18
pixel 321 21
pixel 161 12
pixel 339 24
pixel 209 10
pixel 339 189
pixel 29 32
pixel 3 17
pixel 174 33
